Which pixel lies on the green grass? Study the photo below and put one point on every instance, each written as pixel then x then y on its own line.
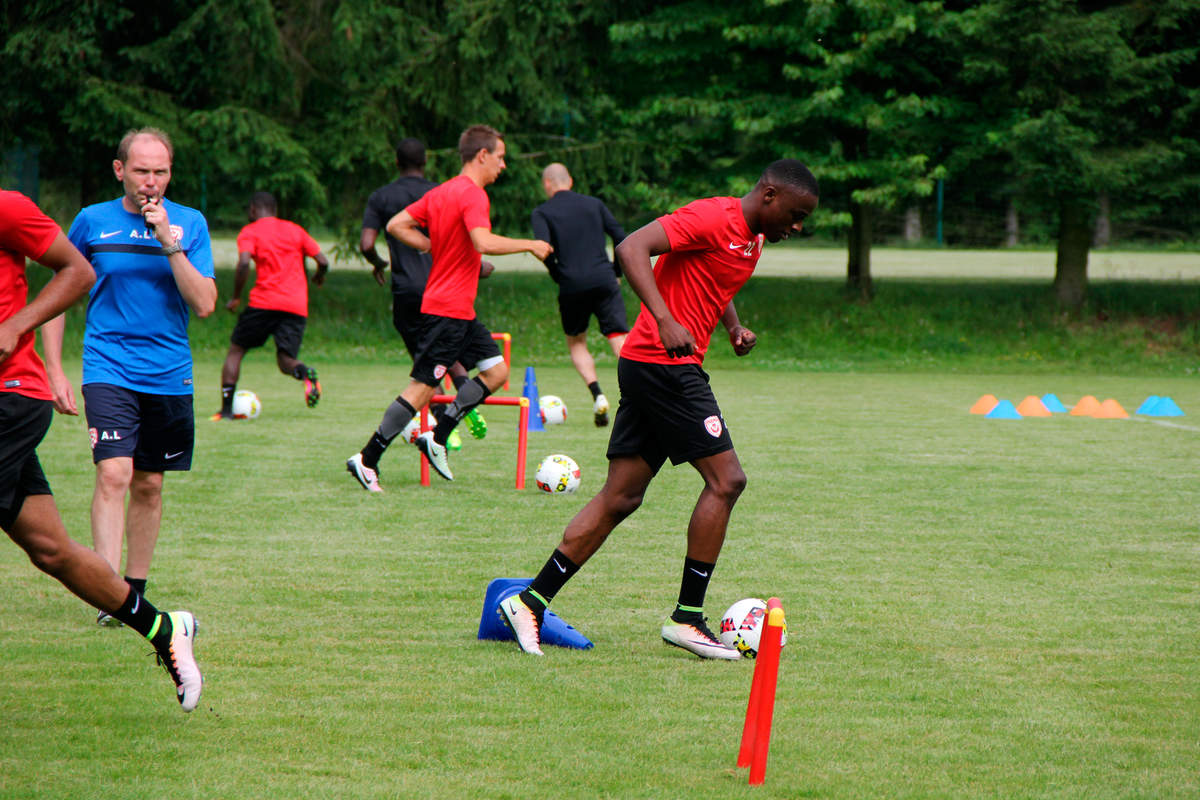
pixel 976 608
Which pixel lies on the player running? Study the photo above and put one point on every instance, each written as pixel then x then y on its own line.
pixel 456 215
pixel 708 249
pixel 28 513
pixel 279 300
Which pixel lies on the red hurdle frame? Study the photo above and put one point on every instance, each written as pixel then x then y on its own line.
pixel 522 404
pixel 506 340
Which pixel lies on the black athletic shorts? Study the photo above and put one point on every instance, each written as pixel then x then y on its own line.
pixel 605 302
pixel 256 324
pixel 23 423
pixel 444 340
pixel 157 430
pixel 406 317
pixel 666 411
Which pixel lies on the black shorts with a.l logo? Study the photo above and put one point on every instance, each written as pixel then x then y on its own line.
pixel 666 411
pixel 23 423
pixel 157 431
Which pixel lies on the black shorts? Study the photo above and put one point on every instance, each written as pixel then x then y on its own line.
pixel 444 340
pixel 605 302
pixel 666 411
pixel 256 324
pixel 157 430
pixel 23 423
pixel 406 317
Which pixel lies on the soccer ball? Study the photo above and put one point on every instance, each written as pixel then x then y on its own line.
pixel 411 431
pixel 246 405
pixel 742 626
pixel 553 409
pixel 558 474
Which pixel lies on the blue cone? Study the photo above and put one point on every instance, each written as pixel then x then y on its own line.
pixel 1004 410
pixel 554 630
pixel 1147 408
pixel 1165 407
pixel 1053 404
pixel 535 408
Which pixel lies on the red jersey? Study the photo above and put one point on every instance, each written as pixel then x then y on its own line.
pixel 278 247
pixel 450 212
pixel 712 255
pixel 25 232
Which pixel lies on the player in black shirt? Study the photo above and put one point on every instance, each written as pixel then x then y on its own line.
pixel 410 269
pixel 576 224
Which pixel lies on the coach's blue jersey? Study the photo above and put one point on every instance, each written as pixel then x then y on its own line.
pixel 137 320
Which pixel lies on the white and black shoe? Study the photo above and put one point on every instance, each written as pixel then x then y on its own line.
pixel 180 662
pixel 600 411
pixel 524 624
pixel 367 477
pixel 695 637
pixel 436 454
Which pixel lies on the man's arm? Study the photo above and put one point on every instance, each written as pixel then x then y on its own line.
pixel 366 246
pixel 73 277
pixel 199 292
pixel 492 244
pixel 541 229
pixel 615 232
pixel 322 268
pixel 742 338
pixel 404 227
pixel 240 276
pixel 635 253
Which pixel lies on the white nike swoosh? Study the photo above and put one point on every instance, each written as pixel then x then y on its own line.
pixel 735 246
pixel 106 235
pixel 172 455
pixel 137 603
pixel 698 572
pixel 561 568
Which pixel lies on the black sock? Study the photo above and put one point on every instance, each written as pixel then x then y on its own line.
pixel 227 390
pixel 693 587
pixel 594 388
pixel 471 395
pixel 300 371
pixel 138 613
pixel 397 415
pixel 137 584
pixel 554 575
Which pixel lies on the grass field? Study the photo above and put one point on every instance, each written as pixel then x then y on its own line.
pixel 976 608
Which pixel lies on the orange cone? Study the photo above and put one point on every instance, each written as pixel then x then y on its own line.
pixel 984 404
pixel 1087 406
pixel 1111 409
pixel 1033 406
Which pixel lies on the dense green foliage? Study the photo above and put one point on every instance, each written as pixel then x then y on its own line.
pixel 1060 111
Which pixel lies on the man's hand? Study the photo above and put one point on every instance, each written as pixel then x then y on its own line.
pixel 541 250
pixel 233 304
pixel 156 219
pixel 486 268
pixel 743 340
pixel 676 339
pixel 378 272
pixel 8 341
pixel 319 276
pixel 64 395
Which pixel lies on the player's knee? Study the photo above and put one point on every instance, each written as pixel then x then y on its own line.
pixel 146 487
pixel 622 503
pixel 729 485
pixel 48 553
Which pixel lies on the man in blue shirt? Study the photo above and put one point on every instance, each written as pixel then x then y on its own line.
pixel 153 263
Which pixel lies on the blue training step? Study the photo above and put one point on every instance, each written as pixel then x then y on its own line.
pixel 554 630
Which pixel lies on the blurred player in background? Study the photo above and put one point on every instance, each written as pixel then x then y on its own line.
pixel 456 214
pixel 279 300
pixel 708 249
pixel 28 513
pixel 576 224
pixel 153 262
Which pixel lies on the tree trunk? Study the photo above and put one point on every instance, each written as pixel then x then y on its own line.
pixel 912 224
pixel 1074 239
pixel 858 268
pixel 1012 226
pixel 1103 233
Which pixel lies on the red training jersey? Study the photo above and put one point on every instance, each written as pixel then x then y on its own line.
pixel 278 247
pixel 712 255
pixel 25 232
pixel 450 212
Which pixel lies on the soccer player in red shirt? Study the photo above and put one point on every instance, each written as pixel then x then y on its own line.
pixel 28 513
pixel 279 300
pixel 708 249
pixel 456 216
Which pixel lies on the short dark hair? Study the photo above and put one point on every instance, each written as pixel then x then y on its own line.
pixel 476 138
pixel 265 201
pixel 154 133
pixel 793 173
pixel 410 153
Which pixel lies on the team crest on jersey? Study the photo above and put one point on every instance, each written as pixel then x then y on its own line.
pixel 176 233
pixel 439 371
pixel 713 426
pixel 93 436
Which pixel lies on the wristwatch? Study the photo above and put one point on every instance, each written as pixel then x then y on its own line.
pixel 173 249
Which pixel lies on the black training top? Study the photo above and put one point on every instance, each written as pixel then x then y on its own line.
pixel 575 224
pixel 410 269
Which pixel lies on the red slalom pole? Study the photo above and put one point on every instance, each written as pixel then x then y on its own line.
pixel 768 653
pixel 746 749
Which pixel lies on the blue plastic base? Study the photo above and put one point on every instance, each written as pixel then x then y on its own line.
pixel 554 630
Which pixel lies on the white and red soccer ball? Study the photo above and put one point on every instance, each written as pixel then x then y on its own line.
pixel 743 624
pixel 552 409
pixel 246 404
pixel 558 474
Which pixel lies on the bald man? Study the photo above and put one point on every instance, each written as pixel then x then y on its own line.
pixel 576 224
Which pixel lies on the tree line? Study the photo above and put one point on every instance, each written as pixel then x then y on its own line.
pixel 1064 114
